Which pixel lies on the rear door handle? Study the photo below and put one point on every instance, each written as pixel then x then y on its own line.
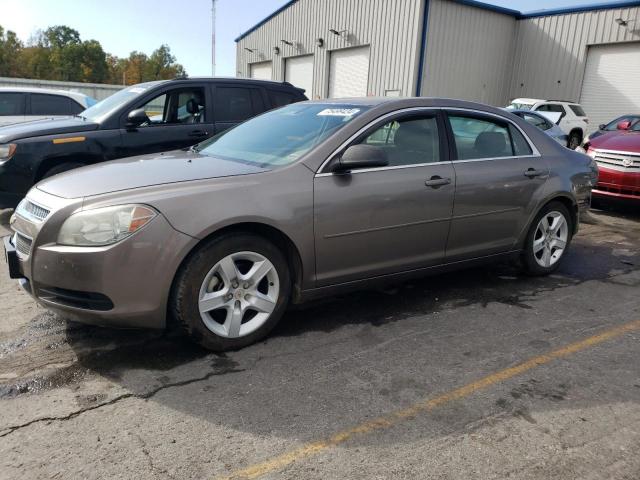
pixel 198 133
pixel 532 172
pixel 437 181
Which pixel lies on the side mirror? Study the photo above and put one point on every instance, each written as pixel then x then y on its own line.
pixel 624 125
pixel 361 156
pixel 602 126
pixel 136 118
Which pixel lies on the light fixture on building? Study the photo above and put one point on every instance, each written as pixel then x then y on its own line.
pixel 286 42
pixel 276 50
pixel 320 42
pixel 250 50
pixel 621 22
pixel 339 33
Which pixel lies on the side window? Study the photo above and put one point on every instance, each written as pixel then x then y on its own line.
pixel 408 141
pixel 155 109
pixel 280 98
pixel 232 104
pixel 477 138
pixel 176 107
pixel 520 145
pixel 551 107
pixel 74 107
pixel 258 102
pixel 11 104
pixel 50 105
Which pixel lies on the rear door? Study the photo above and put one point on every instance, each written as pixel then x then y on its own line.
pixel 178 117
pixel 563 122
pixel 233 104
pixel 12 107
pixel 391 219
pixel 499 178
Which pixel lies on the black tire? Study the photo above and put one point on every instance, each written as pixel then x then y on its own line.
pixel 529 263
pixel 575 139
pixel 63 167
pixel 186 291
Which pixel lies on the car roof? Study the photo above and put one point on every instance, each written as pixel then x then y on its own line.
pixel 238 80
pixel 46 91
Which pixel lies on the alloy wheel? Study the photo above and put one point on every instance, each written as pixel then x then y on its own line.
pixel 550 239
pixel 239 294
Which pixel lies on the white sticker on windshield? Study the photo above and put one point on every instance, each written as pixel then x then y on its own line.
pixel 137 89
pixel 338 112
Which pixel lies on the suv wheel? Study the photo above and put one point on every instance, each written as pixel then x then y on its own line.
pixel 548 240
pixel 574 140
pixel 232 291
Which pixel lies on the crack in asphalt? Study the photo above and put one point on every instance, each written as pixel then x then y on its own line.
pixel 141 396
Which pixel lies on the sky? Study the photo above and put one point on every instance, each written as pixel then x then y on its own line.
pixel 125 25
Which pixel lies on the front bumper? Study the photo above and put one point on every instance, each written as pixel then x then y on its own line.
pixel 125 285
pixel 617 184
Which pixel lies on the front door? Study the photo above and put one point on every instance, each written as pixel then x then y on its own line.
pixel 390 219
pixel 177 118
pixel 499 178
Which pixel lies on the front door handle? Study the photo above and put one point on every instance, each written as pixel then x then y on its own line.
pixel 198 133
pixel 437 181
pixel 532 172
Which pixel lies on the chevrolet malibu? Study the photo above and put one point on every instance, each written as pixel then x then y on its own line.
pixel 308 200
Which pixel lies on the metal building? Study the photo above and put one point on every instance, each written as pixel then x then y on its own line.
pixel 451 48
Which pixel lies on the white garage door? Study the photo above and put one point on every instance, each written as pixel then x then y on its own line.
pixel 298 71
pixel 349 72
pixel 611 85
pixel 261 71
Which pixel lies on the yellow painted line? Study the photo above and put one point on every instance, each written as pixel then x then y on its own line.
pixel 68 140
pixel 280 461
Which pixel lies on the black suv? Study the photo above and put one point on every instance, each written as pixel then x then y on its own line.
pixel 145 118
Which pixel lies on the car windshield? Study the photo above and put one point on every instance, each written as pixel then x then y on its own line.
pixel 106 107
pixel 282 136
pixel 633 119
pixel 519 106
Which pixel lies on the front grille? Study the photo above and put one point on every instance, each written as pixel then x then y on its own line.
pixel 22 244
pixel 35 211
pixel 625 162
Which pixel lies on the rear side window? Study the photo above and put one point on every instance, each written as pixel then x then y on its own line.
pixel 280 98
pixel 11 104
pixel 232 104
pixel 551 107
pixel 520 145
pixel 577 109
pixel 53 105
pixel 477 137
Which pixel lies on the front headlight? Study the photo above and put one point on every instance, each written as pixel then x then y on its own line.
pixel 104 226
pixel 6 152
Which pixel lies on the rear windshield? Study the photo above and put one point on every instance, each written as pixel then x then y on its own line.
pixel 280 137
pixel 577 109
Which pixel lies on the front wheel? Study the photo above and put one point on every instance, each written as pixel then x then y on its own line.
pixel 548 240
pixel 574 140
pixel 232 291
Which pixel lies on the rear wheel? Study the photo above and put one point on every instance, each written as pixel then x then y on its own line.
pixel 548 240
pixel 232 291
pixel 574 140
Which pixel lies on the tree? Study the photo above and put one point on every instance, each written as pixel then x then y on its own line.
pixel 58 53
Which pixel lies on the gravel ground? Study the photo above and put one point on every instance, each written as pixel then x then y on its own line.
pixel 84 402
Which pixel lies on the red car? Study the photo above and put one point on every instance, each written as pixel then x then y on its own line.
pixel 617 153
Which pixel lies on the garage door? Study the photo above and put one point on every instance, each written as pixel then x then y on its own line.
pixel 349 72
pixel 261 71
pixel 298 71
pixel 611 82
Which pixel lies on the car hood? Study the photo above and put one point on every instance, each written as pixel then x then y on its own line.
pixel 623 141
pixel 142 171
pixel 50 126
